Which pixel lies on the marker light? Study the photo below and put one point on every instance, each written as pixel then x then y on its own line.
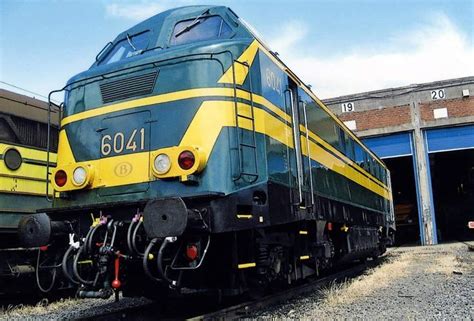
pixel 79 176
pixel 162 163
pixel 60 178
pixel 192 252
pixel 186 159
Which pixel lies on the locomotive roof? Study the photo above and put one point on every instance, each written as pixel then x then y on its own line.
pixel 159 23
pixel 26 107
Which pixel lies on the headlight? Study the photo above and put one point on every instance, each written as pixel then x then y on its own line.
pixel 162 163
pixel 79 176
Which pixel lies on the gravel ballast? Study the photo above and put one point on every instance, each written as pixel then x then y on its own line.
pixel 433 282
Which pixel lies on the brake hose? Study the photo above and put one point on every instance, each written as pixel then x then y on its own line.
pixel 134 238
pixel 37 276
pixel 76 271
pixel 64 265
pixel 145 260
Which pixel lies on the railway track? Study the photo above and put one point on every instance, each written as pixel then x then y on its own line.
pixel 200 309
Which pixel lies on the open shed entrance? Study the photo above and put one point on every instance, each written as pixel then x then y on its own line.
pixel 404 200
pixel 396 150
pixel 452 177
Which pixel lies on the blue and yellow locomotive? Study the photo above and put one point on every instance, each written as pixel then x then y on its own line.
pixel 190 155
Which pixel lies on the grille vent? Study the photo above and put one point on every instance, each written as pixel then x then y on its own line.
pixel 128 87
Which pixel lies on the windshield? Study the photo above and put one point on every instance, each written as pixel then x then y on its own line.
pixel 205 28
pixel 127 47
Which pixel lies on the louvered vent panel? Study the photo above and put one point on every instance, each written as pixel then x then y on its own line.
pixel 128 87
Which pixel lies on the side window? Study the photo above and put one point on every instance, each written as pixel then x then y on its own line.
pixel 342 141
pixel 366 161
pixel 350 147
pixel 359 154
pixel 320 123
pixel 205 28
pixel 128 47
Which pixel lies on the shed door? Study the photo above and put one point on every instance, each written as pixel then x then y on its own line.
pixel 388 146
pixel 447 139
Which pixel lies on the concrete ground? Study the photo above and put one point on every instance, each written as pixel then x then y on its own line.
pixel 434 282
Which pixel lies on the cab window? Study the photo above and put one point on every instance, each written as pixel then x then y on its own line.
pixel 127 47
pixel 205 28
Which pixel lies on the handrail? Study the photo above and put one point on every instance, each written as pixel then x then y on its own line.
pixel 48 140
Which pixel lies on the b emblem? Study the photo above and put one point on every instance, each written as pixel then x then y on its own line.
pixel 123 169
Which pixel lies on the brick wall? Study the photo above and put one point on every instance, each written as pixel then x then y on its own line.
pixel 459 107
pixel 379 118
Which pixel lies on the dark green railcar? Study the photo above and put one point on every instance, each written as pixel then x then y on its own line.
pixel 189 154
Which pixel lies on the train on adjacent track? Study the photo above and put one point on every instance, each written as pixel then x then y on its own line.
pixel 191 158
pixel 23 162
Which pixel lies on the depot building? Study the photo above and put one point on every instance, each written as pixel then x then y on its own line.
pixel 425 135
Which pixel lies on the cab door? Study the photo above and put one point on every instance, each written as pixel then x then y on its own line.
pixel 300 180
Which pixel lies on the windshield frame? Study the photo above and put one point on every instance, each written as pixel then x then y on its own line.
pixel 127 38
pixel 191 19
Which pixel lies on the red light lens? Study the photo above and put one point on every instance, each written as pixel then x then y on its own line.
pixel 186 159
pixel 60 178
pixel 192 252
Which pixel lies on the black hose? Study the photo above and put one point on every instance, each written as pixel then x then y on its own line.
pixel 145 260
pixel 76 271
pixel 90 237
pixel 37 276
pixel 134 238
pixel 64 265
pixel 159 261
pixel 129 237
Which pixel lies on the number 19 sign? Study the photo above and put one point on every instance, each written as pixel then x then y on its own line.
pixel 347 107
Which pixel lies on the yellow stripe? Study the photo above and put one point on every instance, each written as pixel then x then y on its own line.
pixel 65 155
pixel 290 74
pixel 174 96
pixel 19 185
pixel 29 178
pixel 303 232
pixel 335 164
pixel 215 115
pixel 246 265
pixel 177 95
pixel 240 70
pixel 248 216
pixel 30 153
pixel 335 151
pixel 304 257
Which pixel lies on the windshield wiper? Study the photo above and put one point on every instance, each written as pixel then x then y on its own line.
pixel 130 42
pixel 192 24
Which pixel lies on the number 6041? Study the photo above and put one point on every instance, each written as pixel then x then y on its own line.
pixel 119 142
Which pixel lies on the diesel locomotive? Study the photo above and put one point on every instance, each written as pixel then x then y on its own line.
pixel 191 158
pixel 23 168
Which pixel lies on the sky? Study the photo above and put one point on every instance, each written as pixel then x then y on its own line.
pixel 338 47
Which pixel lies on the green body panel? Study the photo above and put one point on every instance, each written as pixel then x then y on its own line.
pixel 14 206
